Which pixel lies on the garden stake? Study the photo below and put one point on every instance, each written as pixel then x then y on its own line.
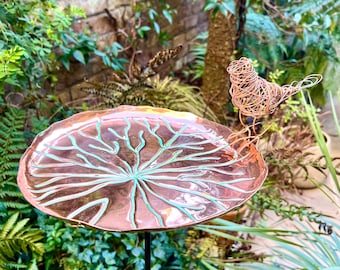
pixel 147 244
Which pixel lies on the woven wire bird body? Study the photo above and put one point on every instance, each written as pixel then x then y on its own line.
pixel 256 97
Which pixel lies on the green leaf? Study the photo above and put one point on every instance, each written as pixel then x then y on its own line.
pixel 99 53
pixel 327 21
pixel 167 15
pixel 137 251
pixel 79 56
pixel 109 257
pixel 229 5
pixel 70 38
pixel 65 61
pixel 86 255
pixel 208 6
pixel 142 30
pixel 115 48
pixel 159 253
pixel 18 238
pixel 156 27
pixel 297 18
pixel 152 14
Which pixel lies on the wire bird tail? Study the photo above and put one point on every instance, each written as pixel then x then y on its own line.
pixel 296 86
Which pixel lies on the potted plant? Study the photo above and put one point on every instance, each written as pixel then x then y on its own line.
pixel 292 152
pixel 310 170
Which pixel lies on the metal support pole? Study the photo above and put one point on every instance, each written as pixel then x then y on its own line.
pixel 147 250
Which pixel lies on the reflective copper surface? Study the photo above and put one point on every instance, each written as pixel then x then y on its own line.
pixel 138 168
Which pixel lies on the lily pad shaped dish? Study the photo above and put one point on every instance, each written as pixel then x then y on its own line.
pixel 138 169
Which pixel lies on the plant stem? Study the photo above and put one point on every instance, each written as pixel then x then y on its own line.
pixel 335 117
pixel 316 127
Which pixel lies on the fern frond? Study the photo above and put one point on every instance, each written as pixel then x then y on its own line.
pixel 16 237
pixel 14 266
pixel 16 205
pixel 12 145
pixel 12 142
pixel 10 193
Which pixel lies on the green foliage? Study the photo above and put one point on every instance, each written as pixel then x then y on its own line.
pixel 318 133
pixel 77 247
pixel 263 201
pixel 10 66
pixel 172 94
pixel 315 251
pixel 300 248
pixel 76 46
pixel 37 35
pixel 18 242
pixel 166 93
pixel 12 145
pixel 155 15
pixel 196 69
pixel 138 88
pixel 12 142
pixel 35 27
pixel 223 6
pixel 111 56
pixel 260 29
pixel 320 256
pixel 298 38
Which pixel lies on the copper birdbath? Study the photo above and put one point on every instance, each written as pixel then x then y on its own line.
pixel 138 169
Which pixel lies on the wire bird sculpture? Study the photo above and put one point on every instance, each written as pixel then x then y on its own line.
pixel 256 97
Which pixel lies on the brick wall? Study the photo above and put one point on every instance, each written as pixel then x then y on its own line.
pixel 188 22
